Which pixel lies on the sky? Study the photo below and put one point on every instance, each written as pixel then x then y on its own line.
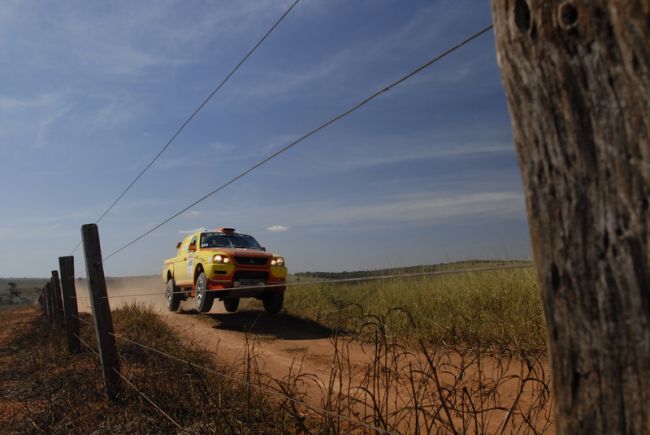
pixel 91 91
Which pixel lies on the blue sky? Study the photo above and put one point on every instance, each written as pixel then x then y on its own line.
pixel 92 90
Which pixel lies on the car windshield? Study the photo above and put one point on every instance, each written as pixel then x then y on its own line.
pixel 235 240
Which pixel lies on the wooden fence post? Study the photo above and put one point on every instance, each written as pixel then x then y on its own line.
pixel 101 309
pixel 70 308
pixel 577 77
pixel 48 301
pixel 58 303
pixel 41 299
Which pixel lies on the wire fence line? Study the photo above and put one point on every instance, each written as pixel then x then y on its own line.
pixel 83 320
pixel 351 280
pixel 89 347
pixel 158 408
pixel 263 388
pixel 194 113
pixel 310 133
pixel 260 387
pixel 144 396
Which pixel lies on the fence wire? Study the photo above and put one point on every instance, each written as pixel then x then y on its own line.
pixel 346 280
pixel 262 388
pixel 324 125
pixel 144 396
pixel 193 114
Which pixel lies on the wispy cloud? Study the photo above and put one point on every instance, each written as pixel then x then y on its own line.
pixel 429 152
pixel 416 207
pixel 39 101
pixel 27 118
pixel 278 228
pixel 47 122
pixel 340 69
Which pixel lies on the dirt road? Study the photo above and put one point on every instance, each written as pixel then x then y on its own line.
pixel 280 342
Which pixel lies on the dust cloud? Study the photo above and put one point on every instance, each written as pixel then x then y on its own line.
pixel 147 290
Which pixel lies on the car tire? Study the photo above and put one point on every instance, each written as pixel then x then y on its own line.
pixel 204 297
pixel 231 304
pixel 273 303
pixel 173 295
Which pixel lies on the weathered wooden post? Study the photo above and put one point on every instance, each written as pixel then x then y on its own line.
pixel 70 308
pixel 101 309
pixel 577 78
pixel 41 300
pixel 48 302
pixel 58 303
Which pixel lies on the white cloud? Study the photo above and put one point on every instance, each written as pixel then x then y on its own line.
pixel 277 228
pixel 415 207
pixel 27 118
pixel 41 101
pixel 194 212
pixel 45 124
pixel 424 152
pixel 128 40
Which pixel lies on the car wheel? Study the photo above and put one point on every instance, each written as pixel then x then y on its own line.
pixel 273 303
pixel 204 297
pixel 231 305
pixel 173 295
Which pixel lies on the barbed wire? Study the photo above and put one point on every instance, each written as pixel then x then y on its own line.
pixel 257 386
pixel 83 320
pixel 141 393
pixel 343 280
pixel 131 384
pixel 89 347
pixel 262 388
pixel 193 114
pixel 322 126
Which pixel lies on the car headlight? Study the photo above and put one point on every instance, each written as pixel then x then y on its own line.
pixel 221 259
pixel 277 261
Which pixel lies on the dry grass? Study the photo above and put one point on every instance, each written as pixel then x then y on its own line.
pixel 47 390
pixel 488 310
pixel 442 390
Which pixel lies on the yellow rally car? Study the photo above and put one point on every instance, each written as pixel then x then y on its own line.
pixel 226 265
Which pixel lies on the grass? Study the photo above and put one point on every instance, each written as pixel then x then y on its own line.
pixel 490 309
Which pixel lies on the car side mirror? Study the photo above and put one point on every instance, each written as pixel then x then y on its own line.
pixel 178 245
pixel 263 248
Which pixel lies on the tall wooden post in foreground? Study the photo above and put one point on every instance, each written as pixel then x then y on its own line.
pixel 66 266
pixel 577 78
pixel 101 309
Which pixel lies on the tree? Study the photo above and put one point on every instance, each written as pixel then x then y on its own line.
pixel 577 79
pixel 13 289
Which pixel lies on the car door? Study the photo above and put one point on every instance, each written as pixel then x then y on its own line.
pixel 180 266
pixel 192 249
